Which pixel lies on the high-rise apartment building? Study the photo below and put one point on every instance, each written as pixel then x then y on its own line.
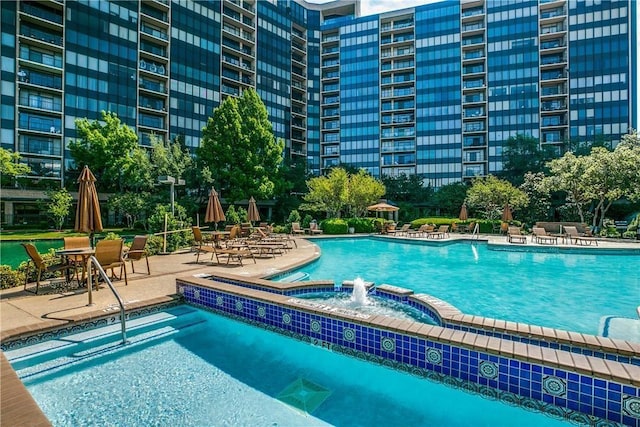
pixel 433 90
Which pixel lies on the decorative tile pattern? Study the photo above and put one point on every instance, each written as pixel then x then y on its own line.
pixel 388 344
pixel 434 356
pixel 631 406
pixel 554 386
pixel 196 294
pixel 566 395
pixel 262 312
pixel 349 334
pixel 239 306
pixel 315 326
pixel 219 300
pixel 286 318
pixel 488 370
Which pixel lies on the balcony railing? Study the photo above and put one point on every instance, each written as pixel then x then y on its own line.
pixel 46 14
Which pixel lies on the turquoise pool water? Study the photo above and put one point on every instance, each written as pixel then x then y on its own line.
pixel 12 253
pixel 566 291
pixel 187 367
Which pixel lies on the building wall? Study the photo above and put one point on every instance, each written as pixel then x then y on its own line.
pixel 433 90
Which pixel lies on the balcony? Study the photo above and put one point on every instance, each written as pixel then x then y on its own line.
pixel 146 120
pixel 28 144
pixel 472 40
pixel 40 101
pixel 40 79
pixel 38 123
pixel 38 11
pixel 553 106
pixel 38 34
pixel 152 67
pixel 474 127
pixel 154 13
pixel 43 57
pixel 153 31
pixel 152 85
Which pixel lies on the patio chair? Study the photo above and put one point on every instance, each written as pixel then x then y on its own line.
pixel 541 236
pixel 403 230
pixel 295 228
pixel 78 261
pixel 42 267
pixel 441 233
pixel 137 251
pixel 109 256
pixel 574 236
pixel 515 236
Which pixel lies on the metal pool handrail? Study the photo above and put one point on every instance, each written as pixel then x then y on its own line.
pixel 476 231
pixel 93 260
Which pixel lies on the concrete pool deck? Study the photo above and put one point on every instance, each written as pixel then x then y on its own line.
pixel 23 313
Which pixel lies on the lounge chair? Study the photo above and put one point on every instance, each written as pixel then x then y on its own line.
pixel 515 236
pixel 137 251
pixel 575 237
pixel 295 228
pixel 404 230
pixel 421 231
pixel 233 251
pixel 314 229
pixel 541 236
pixel 42 267
pixel 441 233
pixel 109 256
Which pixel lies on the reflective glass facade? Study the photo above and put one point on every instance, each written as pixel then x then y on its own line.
pixel 433 90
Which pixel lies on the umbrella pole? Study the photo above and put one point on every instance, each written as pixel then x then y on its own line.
pixel 89 282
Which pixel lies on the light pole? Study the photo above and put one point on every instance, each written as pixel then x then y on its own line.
pixel 172 183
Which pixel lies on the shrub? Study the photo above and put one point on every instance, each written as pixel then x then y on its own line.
pixel 334 226
pixel 154 245
pixel 10 278
pixel 365 225
pixel 306 221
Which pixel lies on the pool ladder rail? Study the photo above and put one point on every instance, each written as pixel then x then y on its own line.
pixel 94 261
pixel 476 231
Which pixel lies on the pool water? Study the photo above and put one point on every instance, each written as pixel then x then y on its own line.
pixel 188 367
pixel 569 291
pixel 13 253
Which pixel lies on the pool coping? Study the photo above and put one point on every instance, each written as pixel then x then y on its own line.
pixel 296 317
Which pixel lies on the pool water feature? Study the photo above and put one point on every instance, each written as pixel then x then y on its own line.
pixel 187 367
pixel 571 291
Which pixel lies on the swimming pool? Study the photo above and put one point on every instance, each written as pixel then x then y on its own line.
pixel 571 291
pixel 187 367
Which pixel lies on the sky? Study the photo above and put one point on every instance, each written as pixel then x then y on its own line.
pixel 371 7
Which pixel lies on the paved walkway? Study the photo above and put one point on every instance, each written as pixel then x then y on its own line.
pixel 26 311
pixel 22 312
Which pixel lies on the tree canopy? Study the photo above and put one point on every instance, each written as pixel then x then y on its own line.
pixel 491 194
pixel 111 151
pixel 9 164
pixel 601 177
pixel 239 148
pixel 340 192
pixel 522 154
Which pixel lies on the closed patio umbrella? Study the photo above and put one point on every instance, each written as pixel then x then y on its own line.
pixel 88 218
pixel 463 213
pixel 214 212
pixel 252 213
pixel 506 213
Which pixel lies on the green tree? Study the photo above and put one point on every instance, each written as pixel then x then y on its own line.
pixel 290 185
pixel 522 154
pixel 112 153
pixel 240 149
pixel 10 164
pixel 450 197
pixel 539 198
pixel 364 190
pixel 169 158
pixel 59 206
pixel 491 194
pixel 328 193
pixel 131 205
pixel 406 188
pixel 566 176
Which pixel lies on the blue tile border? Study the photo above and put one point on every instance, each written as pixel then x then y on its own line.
pixel 427 304
pixel 569 395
